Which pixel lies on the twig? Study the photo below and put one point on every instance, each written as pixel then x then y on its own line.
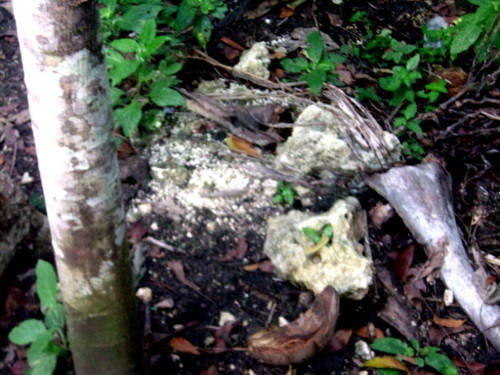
pixel 163 245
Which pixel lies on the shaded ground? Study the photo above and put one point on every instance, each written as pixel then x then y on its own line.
pixel 219 282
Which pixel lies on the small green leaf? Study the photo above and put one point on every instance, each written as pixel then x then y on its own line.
pixel 134 18
pixel 45 365
pixel 128 118
pixel 312 234
pixel 315 49
pixel 409 95
pixel 390 345
pixel 467 34
pixel 390 83
pixel 27 332
pixel 202 30
pixel 122 71
pixel 113 57
pixel 167 68
pixel 55 317
pixel 46 283
pixel 441 363
pixel 395 56
pixel 185 16
pixel 328 231
pixel 40 347
pixel 413 62
pixel 410 111
pixel 125 45
pixel 148 32
pixel 415 344
pixel 399 121
pixel 116 95
pixel 277 199
pixel 161 94
pixel 439 86
pixel 288 196
pixel 414 126
pixel 315 80
pixel 154 45
pixel 433 96
pixel 297 65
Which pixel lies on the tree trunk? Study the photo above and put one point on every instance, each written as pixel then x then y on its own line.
pixel 67 82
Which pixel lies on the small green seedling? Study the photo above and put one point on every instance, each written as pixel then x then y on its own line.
pixel 400 351
pixel 285 195
pixel 319 238
pixel 318 67
pixel 46 339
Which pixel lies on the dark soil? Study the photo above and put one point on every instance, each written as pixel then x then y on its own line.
pixel 469 152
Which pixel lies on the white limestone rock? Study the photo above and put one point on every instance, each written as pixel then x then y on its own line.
pixel 255 61
pixel 340 264
pixel 319 145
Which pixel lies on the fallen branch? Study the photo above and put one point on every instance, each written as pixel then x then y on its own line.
pixel 421 196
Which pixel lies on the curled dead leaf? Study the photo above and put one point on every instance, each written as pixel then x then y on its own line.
pixel 301 339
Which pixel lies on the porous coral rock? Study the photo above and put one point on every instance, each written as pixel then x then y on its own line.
pixel 255 61
pixel 340 264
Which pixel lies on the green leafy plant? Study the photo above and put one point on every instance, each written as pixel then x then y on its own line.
pixel 477 29
pixel 143 55
pixel 401 85
pixel 285 195
pixel 46 339
pixel 199 14
pixel 318 67
pixel 413 353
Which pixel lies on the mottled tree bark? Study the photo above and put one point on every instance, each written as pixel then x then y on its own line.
pixel 67 84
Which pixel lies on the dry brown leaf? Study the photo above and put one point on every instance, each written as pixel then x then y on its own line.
pixel 402 264
pixel 212 370
pixel 265 266
pixel 365 332
pixel 182 345
pixel 241 248
pixel 386 362
pixel 340 339
pixel 335 19
pixel 449 323
pixel 301 339
pixel 178 269
pixel 286 12
pixel 232 43
pixel 242 146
